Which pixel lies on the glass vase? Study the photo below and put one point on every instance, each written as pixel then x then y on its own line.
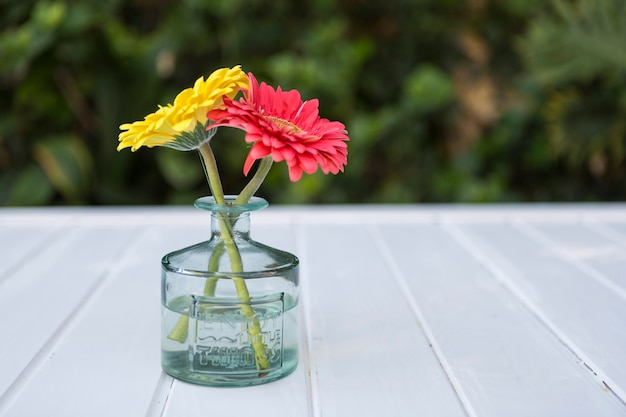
pixel 229 304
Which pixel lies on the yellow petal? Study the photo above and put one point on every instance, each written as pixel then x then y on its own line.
pixel 190 107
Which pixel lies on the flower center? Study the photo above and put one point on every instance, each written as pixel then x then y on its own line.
pixel 282 123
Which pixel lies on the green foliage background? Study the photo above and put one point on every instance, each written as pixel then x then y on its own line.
pixel 444 100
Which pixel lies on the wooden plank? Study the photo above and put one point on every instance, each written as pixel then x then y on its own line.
pixel 616 232
pixel 19 244
pixel 285 397
pixel 368 353
pixel 582 312
pixel 39 296
pixel 590 248
pixel 106 361
pixel 503 361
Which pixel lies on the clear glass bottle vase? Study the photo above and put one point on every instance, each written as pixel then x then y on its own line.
pixel 229 304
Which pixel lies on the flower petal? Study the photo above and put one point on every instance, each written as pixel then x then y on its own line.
pixel 175 124
pixel 280 124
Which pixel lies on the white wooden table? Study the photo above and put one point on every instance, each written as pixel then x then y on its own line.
pixel 487 311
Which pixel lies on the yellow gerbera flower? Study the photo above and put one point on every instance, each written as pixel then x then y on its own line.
pixel 183 125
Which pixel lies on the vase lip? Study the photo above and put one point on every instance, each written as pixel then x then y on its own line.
pixel 208 203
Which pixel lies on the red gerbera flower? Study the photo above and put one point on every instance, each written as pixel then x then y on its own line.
pixel 280 124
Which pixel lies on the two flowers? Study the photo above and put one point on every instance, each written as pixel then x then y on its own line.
pixel 278 125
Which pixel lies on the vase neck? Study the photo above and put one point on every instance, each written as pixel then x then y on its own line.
pixel 230 219
pixel 237 225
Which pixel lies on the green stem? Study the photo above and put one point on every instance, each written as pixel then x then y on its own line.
pixel 256 181
pixel 254 330
pixel 211 283
pixel 181 329
pixel 211 171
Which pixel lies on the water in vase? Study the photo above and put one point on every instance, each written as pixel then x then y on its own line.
pixel 213 342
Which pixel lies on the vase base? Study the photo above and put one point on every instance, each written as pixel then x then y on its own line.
pixel 176 364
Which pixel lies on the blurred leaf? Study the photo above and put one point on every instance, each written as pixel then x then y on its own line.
pixel 49 14
pixel 182 170
pixel 19 45
pixel 586 39
pixel 67 164
pixel 30 188
pixel 428 88
pixel 329 65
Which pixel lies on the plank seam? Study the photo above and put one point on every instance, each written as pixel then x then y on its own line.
pixel 160 398
pixel 588 270
pixel 47 350
pixel 312 380
pixel 22 261
pixel 535 311
pixel 428 334
pixel 602 229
